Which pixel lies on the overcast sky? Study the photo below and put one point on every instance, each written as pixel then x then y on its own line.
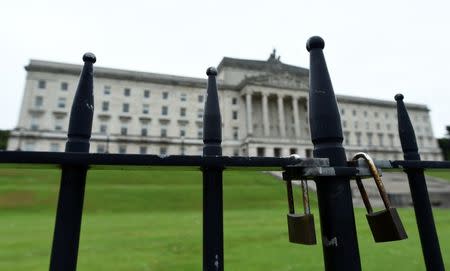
pixel 373 48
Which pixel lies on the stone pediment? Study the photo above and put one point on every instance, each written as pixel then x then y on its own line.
pixel 279 80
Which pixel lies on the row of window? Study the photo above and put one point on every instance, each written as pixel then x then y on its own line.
pixel 366 114
pixel 42 84
pixel 381 139
pixel 388 126
pixel 61 103
pixel 39 102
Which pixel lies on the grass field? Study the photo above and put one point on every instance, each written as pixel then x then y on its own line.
pixel 152 220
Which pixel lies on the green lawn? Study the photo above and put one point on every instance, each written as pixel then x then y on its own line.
pixel 152 220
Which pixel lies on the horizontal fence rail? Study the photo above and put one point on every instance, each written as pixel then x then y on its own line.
pixel 330 169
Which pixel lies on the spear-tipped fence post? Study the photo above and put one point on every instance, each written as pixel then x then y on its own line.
pixel 419 192
pixel 71 193
pixel 212 180
pixel 339 239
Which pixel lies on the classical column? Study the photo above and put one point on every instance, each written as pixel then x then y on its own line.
pixel 248 103
pixel 265 111
pixel 281 116
pixel 296 117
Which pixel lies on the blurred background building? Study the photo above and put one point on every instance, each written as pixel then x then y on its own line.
pixel 264 107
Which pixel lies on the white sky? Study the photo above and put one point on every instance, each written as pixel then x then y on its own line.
pixel 373 48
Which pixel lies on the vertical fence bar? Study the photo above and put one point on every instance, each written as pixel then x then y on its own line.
pixel 419 192
pixel 339 239
pixel 212 180
pixel 71 193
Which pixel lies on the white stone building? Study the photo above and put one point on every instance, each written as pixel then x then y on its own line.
pixel 264 106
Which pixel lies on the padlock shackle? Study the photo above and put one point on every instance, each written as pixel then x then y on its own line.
pixel 305 196
pixel 376 176
pixel 364 195
pixel 290 196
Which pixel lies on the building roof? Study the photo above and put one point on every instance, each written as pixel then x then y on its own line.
pixel 377 102
pixel 73 69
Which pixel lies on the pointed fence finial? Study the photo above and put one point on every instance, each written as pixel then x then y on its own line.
pixel 212 123
pixel 81 114
pixel 325 121
pixel 406 131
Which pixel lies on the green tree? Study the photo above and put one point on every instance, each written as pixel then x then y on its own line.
pixel 444 144
pixel 4 135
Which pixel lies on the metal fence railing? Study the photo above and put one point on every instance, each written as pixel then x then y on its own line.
pixel 330 169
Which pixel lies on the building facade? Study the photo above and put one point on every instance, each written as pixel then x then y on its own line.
pixel 264 106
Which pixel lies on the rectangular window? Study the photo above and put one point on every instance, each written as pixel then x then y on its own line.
pixel 183 97
pixel 235 152
pixel 29 146
pixel 354 112
pixel 105 106
pixel 200 113
pixel 38 101
pixel 182 112
pixel 107 90
pixel 182 132
pixel 34 123
pixel 260 152
pixel 344 124
pixel 126 108
pixel 347 138
pixel 200 98
pixel 163 132
pixel 369 139
pixel 277 152
pixel 165 95
pixel 358 138
pixel 200 133
pixel 235 133
pixel 143 150
pixel 235 115
pixel 122 149
pixel 123 130
pixel 144 131
pixel 391 140
pixel 126 92
pixel 293 151
pixel 145 109
pixel 101 148
pixel 234 101
pixel 162 150
pixel 58 124
pixel 182 149
pixel 164 110
pixel 381 139
pixel 64 86
pixel 146 93
pixel 54 147
pixel 42 84
pixel 61 102
pixel 375 114
pixel 103 128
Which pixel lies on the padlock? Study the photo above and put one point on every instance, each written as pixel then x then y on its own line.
pixel 386 224
pixel 300 226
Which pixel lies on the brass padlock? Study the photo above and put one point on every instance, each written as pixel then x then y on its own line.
pixel 300 226
pixel 386 224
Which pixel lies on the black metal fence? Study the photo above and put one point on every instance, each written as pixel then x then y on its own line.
pixel 329 168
